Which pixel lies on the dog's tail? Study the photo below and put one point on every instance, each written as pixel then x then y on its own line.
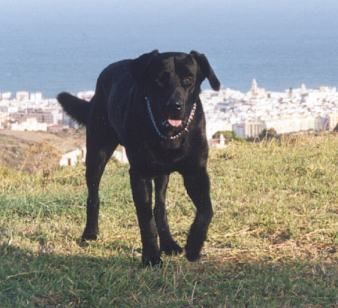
pixel 77 108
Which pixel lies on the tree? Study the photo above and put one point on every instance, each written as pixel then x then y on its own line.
pixel 268 134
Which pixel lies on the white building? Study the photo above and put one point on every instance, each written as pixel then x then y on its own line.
pixel 5 96
pixel 333 120
pixel 248 129
pixel 291 123
pixel 31 124
pixel 35 97
pixel 86 95
pixel 22 96
pixel 3 120
pixel 120 155
pixel 73 158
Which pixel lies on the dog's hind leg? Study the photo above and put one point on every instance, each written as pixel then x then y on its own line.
pixel 167 244
pixel 198 188
pixel 99 151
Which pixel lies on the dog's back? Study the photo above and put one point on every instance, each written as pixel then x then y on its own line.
pixel 116 89
pixel 113 98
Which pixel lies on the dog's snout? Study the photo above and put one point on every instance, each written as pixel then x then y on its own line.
pixel 175 105
pixel 178 105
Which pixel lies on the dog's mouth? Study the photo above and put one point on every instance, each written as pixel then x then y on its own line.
pixel 174 122
pixel 171 127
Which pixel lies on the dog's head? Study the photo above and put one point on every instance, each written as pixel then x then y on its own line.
pixel 171 82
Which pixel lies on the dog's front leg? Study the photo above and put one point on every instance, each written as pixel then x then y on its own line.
pixel 198 188
pixel 167 243
pixel 142 191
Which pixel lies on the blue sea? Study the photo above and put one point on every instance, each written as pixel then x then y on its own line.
pixel 52 46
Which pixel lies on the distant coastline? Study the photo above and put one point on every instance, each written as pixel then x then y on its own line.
pixel 205 87
pixel 247 114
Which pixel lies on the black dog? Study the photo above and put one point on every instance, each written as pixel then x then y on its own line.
pixel 150 105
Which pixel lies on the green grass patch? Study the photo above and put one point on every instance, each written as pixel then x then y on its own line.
pixel 273 240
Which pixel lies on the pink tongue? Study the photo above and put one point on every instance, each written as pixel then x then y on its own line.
pixel 174 123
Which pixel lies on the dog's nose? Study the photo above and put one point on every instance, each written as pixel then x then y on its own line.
pixel 178 105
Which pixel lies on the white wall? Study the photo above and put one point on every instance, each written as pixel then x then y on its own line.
pixel 30 124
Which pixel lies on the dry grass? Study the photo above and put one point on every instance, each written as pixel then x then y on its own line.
pixel 35 152
pixel 273 240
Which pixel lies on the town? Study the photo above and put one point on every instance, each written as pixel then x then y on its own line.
pixel 247 114
pixel 292 111
pixel 32 112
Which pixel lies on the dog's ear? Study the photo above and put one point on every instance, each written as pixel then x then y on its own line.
pixel 206 69
pixel 140 65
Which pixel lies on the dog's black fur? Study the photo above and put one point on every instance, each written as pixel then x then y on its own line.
pixel 119 114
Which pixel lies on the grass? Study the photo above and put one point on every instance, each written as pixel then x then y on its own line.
pixel 272 243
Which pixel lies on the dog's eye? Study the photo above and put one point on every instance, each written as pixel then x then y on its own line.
pixel 187 81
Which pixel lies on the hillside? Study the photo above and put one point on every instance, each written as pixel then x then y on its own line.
pixel 272 243
pixel 34 151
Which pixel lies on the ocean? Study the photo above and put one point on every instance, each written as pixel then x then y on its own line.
pixel 51 47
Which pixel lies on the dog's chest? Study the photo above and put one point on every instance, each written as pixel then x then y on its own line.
pixel 159 160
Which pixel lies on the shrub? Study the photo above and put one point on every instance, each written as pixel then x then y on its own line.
pixel 268 134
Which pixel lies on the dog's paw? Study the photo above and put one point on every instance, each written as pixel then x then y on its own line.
pixel 89 236
pixel 152 261
pixel 192 255
pixel 171 248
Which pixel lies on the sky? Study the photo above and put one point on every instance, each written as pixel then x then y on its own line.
pixel 174 12
pixel 172 19
pixel 127 28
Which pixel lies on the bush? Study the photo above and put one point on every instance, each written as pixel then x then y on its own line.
pixel 228 135
pixel 268 134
